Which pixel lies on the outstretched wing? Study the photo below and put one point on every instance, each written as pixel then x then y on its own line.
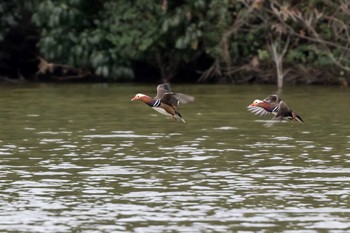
pixel 162 89
pixel 272 99
pixel 183 98
pixel 283 111
pixel 258 111
pixel 165 94
pixel 169 99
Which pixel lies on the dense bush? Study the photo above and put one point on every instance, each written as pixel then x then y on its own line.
pixel 232 40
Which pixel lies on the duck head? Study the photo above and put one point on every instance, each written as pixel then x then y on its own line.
pixel 257 103
pixel 142 97
pixel 138 97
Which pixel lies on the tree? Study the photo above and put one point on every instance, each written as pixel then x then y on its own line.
pixel 107 36
pixel 323 24
pixel 225 40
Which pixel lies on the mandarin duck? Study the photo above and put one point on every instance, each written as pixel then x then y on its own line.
pixel 273 104
pixel 166 101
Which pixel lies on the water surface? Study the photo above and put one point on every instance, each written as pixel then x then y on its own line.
pixel 84 158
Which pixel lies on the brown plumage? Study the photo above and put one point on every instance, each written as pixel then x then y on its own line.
pixel 166 101
pixel 275 105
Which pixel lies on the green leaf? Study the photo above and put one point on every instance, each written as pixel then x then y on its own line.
pixel 97 60
pixel 263 55
pixel 105 71
pixel 165 25
pixel 180 43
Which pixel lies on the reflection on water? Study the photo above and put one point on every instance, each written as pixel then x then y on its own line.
pixel 83 158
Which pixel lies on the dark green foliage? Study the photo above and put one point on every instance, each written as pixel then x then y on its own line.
pixel 107 36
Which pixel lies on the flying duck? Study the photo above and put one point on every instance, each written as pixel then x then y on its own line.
pixel 166 101
pixel 273 104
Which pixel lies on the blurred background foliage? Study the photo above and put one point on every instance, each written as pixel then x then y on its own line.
pixel 197 40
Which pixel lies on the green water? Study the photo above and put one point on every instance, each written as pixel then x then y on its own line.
pixel 84 158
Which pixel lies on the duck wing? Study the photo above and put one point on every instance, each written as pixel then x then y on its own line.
pixel 162 89
pixel 165 94
pixel 283 111
pixel 258 111
pixel 272 99
pixel 169 98
pixel 183 98
pixel 264 108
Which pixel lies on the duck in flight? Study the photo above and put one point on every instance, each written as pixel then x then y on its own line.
pixel 273 104
pixel 166 101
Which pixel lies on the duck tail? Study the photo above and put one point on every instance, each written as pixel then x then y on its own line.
pixel 298 118
pixel 178 116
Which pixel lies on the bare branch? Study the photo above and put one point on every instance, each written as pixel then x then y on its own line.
pixel 310 21
pixel 277 57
